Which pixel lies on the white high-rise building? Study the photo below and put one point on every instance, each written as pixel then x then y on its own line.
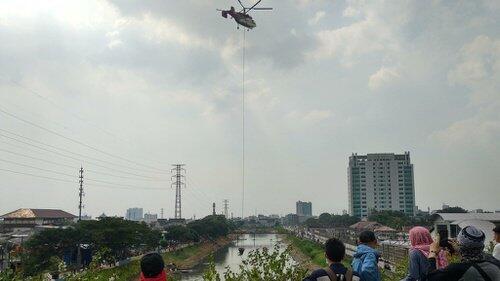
pixel 381 181
pixel 134 214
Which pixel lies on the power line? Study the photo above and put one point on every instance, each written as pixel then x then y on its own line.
pixel 39 159
pixel 33 167
pixel 33 175
pixel 67 151
pixel 72 167
pixel 33 92
pixel 75 141
pixel 70 181
pixel 120 184
pixel 74 158
pixel 64 174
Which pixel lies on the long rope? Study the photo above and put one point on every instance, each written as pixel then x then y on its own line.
pixel 243 128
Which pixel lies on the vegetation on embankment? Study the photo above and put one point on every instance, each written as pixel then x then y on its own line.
pixel 190 256
pixel 183 258
pixel 311 255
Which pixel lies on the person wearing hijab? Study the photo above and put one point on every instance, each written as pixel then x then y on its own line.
pixel 153 268
pixel 420 240
pixel 474 265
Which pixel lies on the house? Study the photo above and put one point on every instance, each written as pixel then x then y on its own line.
pixel 28 219
pixel 452 223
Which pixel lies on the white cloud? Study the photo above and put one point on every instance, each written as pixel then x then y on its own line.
pixel 479 69
pixel 309 117
pixel 349 43
pixel 382 77
pixel 317 17
pixel 480 130
pixel 350 12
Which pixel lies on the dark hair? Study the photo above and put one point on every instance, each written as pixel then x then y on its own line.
pixel 334 250
pixel 496 229
pixel 152 264
pixel 367 236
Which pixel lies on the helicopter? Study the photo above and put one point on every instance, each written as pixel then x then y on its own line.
pixel 242 17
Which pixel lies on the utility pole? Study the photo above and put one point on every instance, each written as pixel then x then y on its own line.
pixel 161 213
pixel 226 205
pixel 80 194
pixel 213 209
pixel 177 181
pixel 80 207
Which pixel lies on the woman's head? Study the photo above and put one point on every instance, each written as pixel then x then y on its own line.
pixel 420 236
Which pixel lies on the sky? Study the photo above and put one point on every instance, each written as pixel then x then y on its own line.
pixel 128 88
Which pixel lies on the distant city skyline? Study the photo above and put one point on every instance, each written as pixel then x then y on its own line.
pixel 126 89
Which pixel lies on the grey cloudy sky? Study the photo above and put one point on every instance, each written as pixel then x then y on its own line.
pixel 159 82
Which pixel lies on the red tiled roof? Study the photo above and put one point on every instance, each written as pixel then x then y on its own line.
pixel 38 213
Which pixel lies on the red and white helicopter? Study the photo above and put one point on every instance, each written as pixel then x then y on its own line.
pixel 242 17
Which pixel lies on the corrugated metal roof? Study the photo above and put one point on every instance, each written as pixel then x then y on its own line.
pixel 37 213
pixel 469 216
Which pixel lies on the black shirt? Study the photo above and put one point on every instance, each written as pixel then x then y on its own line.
pixel 337 267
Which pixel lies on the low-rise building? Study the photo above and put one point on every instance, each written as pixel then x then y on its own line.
pixel 27 219
pixel 452 223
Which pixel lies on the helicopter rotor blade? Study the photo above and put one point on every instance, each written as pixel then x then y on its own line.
pixel 249 9
pixel 262 9
pixel 241 4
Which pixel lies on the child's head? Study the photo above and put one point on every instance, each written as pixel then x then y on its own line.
pixel 152 265
pixel 334 250
pixel 367 237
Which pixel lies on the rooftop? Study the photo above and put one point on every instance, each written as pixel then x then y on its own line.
pixel 495 217
pixel 38 213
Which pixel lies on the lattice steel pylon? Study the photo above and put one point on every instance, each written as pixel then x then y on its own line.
pixel 178 183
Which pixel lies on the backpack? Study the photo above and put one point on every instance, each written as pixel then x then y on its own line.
pixel 340 277
pixel 486 270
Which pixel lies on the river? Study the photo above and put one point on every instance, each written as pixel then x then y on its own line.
pixel 229 255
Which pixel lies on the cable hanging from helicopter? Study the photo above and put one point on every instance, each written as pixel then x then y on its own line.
pixel 244 19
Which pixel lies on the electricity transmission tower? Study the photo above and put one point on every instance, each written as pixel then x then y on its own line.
pixel 226 205
pixel 178 183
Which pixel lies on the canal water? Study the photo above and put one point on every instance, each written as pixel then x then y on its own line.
pixel 229 256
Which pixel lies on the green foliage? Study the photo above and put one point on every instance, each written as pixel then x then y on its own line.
pixel 211 226
pixel 455 209
pixel 326 220
pixel 260 265
pixel 112 238
pixel 396 219
pixel 182 234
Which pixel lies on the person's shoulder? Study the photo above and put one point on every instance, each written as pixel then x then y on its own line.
pixel 316 274
pixel 416 254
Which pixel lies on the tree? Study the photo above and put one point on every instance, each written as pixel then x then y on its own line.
pixel 118 237
pixel 395 219
pixel 211 226
pixel 326 220
pixel 455 209
pixel 181 233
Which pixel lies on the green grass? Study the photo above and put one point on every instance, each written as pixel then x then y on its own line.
pixel 181 254
pixel 313 250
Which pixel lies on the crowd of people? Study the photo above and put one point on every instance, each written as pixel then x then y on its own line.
pixel 429 259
